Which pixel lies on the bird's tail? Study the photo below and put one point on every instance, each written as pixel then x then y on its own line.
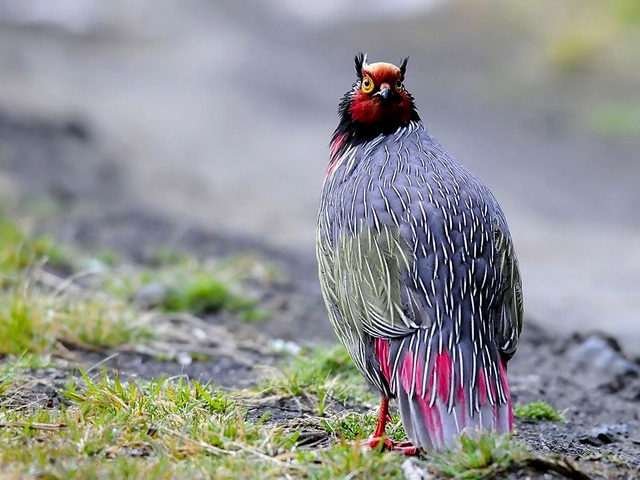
pixel 443 391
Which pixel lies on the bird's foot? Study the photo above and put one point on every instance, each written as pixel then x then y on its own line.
pixel 391 445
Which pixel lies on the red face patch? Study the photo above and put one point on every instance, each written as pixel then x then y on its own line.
pixel 370 107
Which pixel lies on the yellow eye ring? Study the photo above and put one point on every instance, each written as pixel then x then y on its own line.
pixel 367 84
pixel 398 86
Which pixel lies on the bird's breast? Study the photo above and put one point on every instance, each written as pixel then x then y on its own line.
pixel 411 186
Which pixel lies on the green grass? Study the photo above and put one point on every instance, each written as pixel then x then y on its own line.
pixel 168 428
pixel 37 321
pixel 19 252
pixel 39 312
pixel 204 294
pixel 538 411
pixel 354 426
pixel 187 285
pixel 476 458
pixel 321 373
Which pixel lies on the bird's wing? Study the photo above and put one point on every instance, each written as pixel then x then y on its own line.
pixel 509 324
pixel 368 288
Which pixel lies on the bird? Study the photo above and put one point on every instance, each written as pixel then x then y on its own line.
pixel 417 269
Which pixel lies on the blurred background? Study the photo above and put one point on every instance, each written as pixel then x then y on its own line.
pixel 219 112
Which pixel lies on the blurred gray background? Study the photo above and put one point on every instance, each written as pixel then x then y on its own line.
pixel 220 113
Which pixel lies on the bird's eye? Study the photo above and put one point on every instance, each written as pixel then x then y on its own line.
pixel 398 85
pixel 367 84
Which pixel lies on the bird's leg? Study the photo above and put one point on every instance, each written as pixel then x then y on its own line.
pixel 383 418
pixel 378 435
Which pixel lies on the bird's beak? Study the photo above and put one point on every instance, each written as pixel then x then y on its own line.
pixel 385 91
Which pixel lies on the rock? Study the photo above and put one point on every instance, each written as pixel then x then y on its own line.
pixel 150 295
pixel 412 471
pixel 279 345
pixel 603 354
pixel 605 434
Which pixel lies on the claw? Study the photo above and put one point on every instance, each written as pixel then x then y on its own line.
pixel 378 435
pixel 387 444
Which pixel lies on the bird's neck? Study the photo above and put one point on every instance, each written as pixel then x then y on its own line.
pixel 352 132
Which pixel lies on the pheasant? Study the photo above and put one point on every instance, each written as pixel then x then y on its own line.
pixel 417 268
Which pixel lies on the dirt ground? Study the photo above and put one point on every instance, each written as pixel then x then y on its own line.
pixel 55 172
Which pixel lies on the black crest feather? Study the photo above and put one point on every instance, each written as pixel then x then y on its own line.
pixel 361 61
pixel 403 66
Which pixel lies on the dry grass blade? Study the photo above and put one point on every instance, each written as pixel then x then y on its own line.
pixel 203 445
pixel 257 453
pixel 560 466
pixel 35 426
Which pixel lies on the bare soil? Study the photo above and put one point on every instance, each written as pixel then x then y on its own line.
pixel 60 162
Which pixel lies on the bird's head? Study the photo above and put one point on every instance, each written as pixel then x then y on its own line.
pixel 378 102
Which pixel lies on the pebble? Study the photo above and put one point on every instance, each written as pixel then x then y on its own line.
pixel 150 295
pixel 605 434
pixel 279 345
pixel 596 352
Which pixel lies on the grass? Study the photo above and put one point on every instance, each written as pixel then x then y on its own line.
pixel 37 321
pixel 184 284
pixel 354 426
pixel 124 430
pixel 480 457
pixel 37 311
pixel 538 411
pixel 43 309
pixel 166 428
pixel 18 251
pixel 321 373
pixel 204 294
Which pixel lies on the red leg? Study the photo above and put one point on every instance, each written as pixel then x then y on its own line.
pixel 378 435
pixel 383 418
